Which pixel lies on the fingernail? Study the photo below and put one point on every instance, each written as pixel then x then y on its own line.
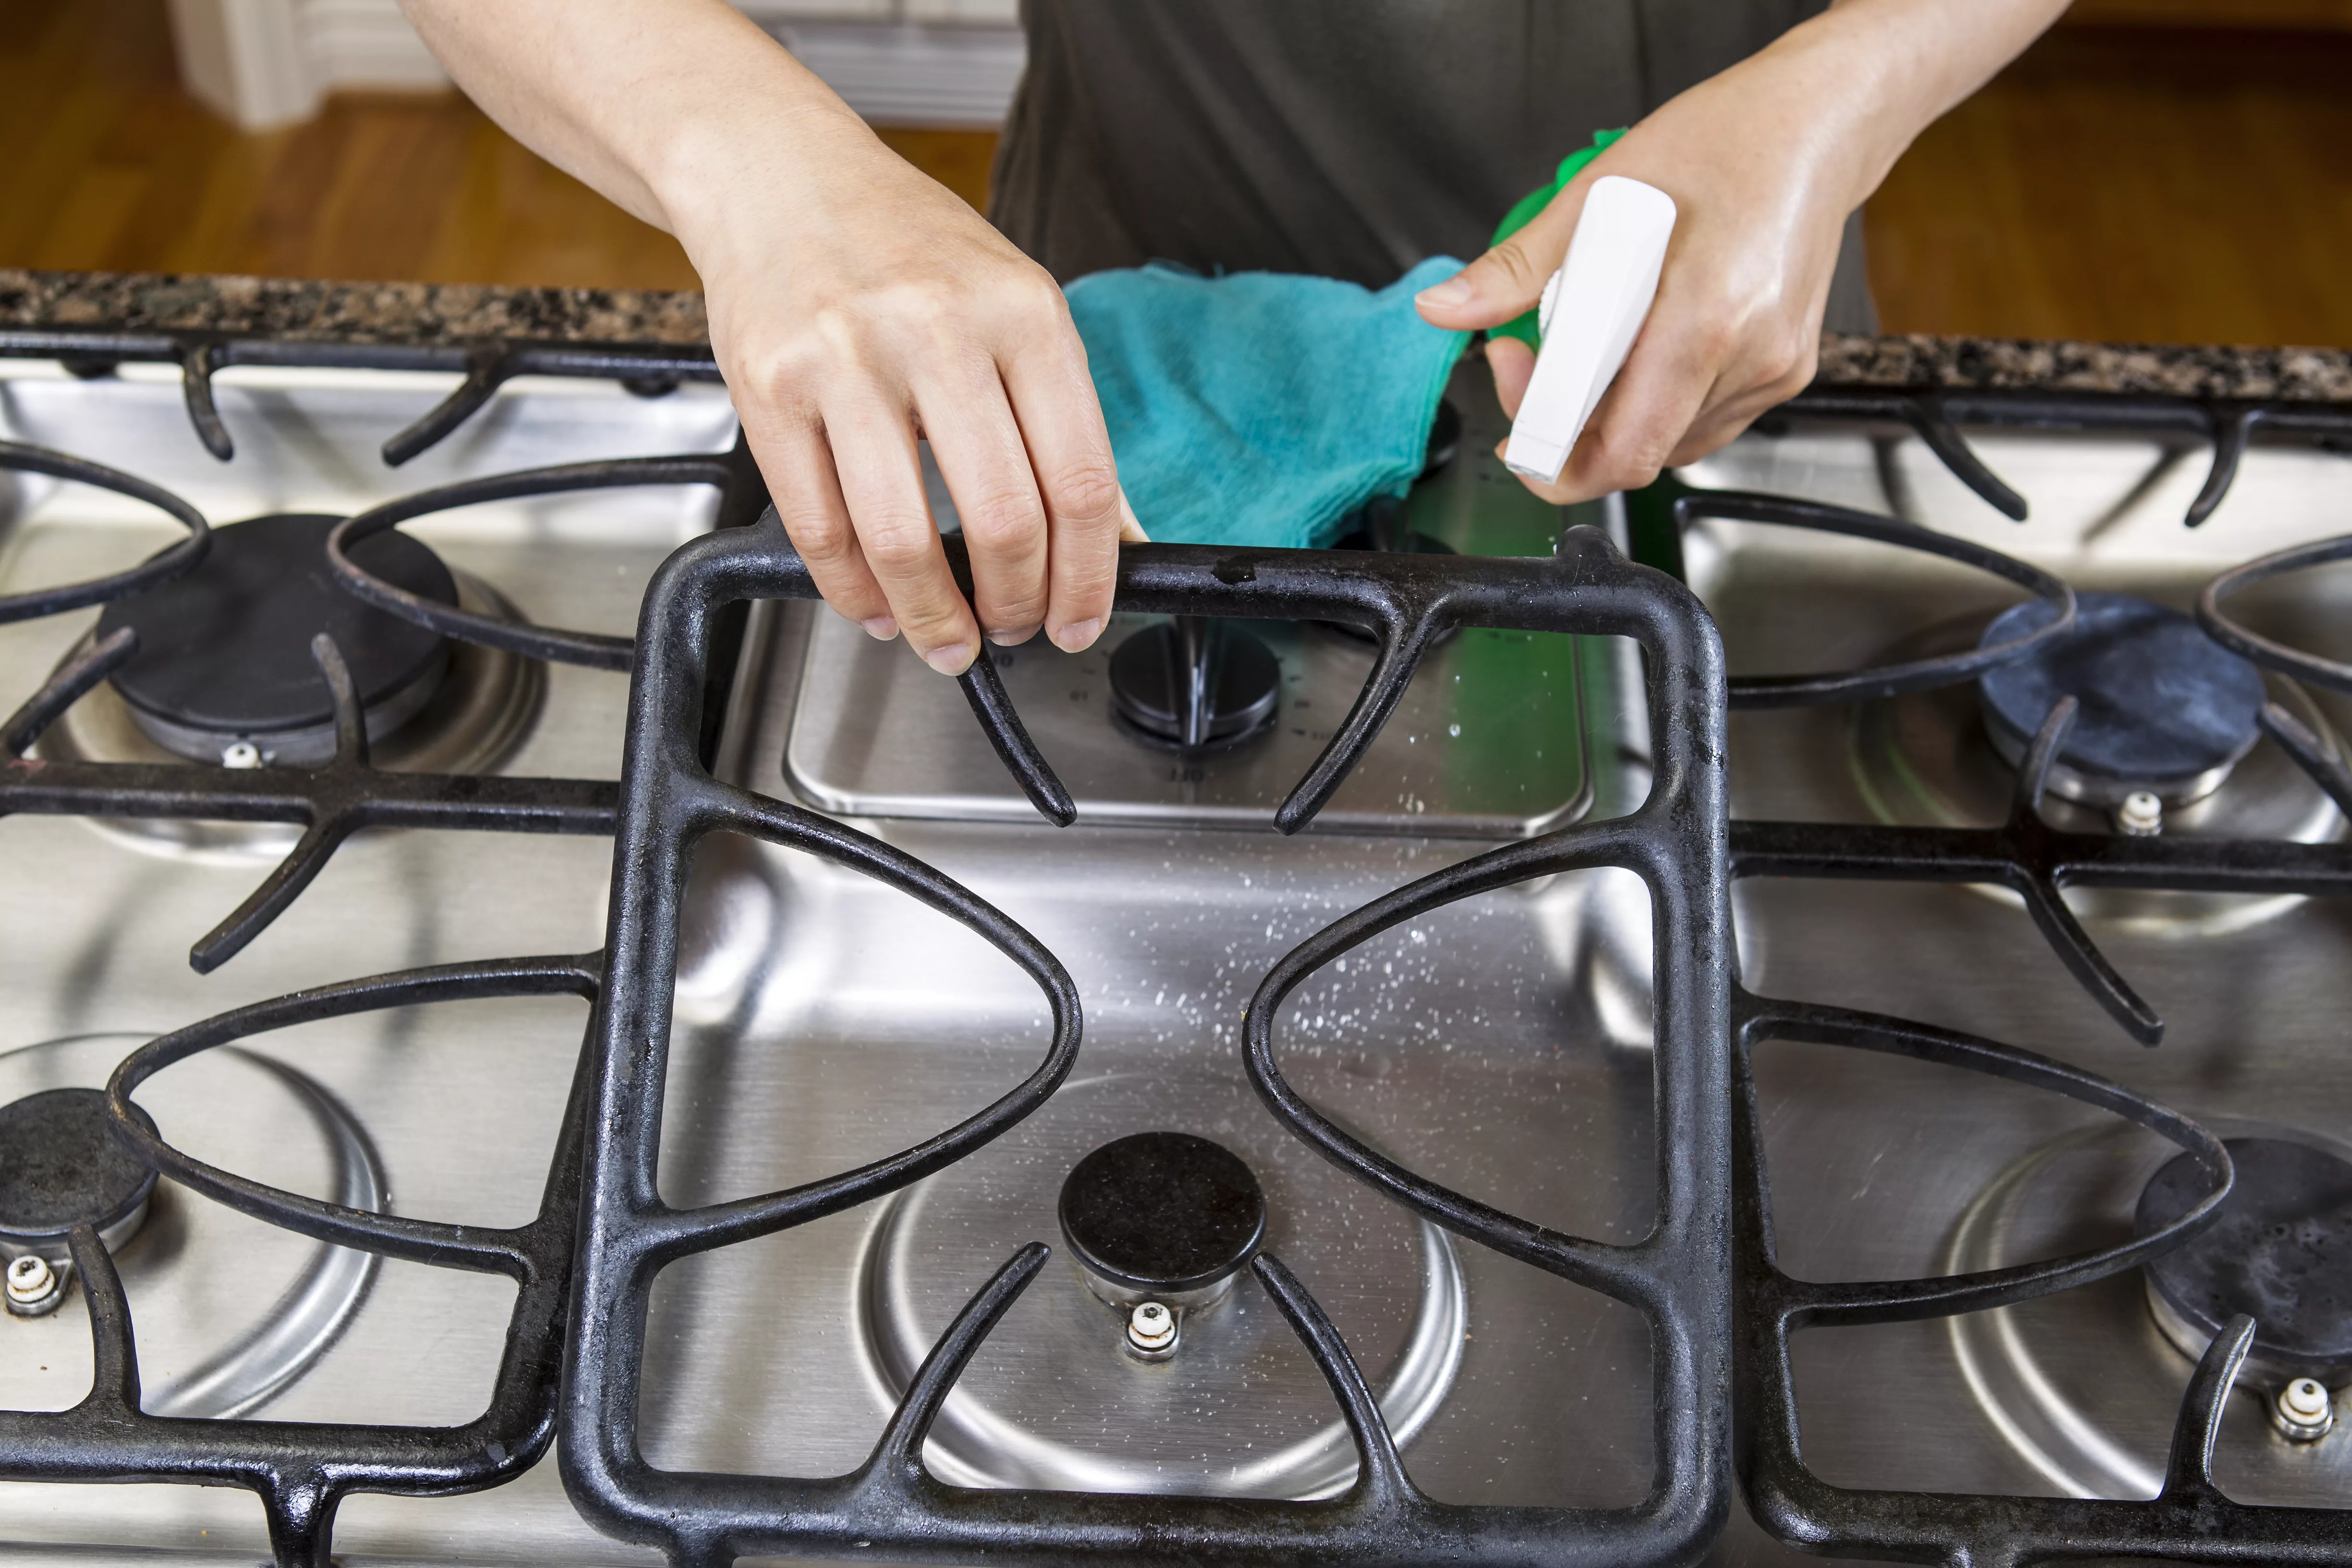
pixel 1454 290
pixel 881 627
pixel 953 659
pixel 1077 636
pixel 1012 636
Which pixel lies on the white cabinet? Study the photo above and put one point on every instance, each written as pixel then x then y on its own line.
pixel 265 63
pixel 906 62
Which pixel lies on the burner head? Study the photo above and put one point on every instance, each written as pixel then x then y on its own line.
pixel 2165 709
pixel 1153 675
pixel 1161 1216
pixel 2282 1251
pixel 62 1164
pixel 225 652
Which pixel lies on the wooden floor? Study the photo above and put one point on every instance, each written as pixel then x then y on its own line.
pixel 2133 183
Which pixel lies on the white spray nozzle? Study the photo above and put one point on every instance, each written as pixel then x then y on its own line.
pixel 1592 310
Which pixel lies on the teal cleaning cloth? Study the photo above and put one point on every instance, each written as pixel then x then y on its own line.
pixel 1262 408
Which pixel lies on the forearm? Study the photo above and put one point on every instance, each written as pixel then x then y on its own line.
pixel 652 102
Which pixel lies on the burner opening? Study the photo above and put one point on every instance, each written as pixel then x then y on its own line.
pixel 1161 1219
pixel 2282 1251
pixel 224 672
pixel 1196 683
pixel 62 1164
pixel 2166 712
pixel 1380 526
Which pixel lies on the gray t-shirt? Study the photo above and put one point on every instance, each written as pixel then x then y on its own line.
pixel 1347 138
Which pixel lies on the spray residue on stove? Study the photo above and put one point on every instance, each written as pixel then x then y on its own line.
pixel 225 674
pixel 2165 740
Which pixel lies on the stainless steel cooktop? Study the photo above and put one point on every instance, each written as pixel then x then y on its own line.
pixel 1883 1168
pixel 1502 1047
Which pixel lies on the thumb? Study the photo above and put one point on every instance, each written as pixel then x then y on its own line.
pixel 1507 281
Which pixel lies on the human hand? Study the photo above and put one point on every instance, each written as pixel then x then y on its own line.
pixel 1764 162
pixel 856 304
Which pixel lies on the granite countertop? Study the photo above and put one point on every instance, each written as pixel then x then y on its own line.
pixel 458 314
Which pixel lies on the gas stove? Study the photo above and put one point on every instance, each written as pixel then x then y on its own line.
pixel 1461 1045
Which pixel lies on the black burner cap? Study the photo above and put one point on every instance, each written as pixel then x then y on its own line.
pixel 1163 1211
pixel 2280 1251
pixel 1150 676
pixel 227 648
pixel 2161 702
pixel 62 1164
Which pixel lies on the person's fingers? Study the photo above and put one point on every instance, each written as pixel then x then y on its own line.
pixel 1131 529
pixel 798 467
pixel 882 484
pixel 981 455
pixel 1077 479
pixel 1514 365
pixel 1638 424
pixel 1719 424
pixel 1767 375
pixel 1507 281
pixel 1642 416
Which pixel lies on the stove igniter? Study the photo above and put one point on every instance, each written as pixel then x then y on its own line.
pixel 2281 1252
pixel 1159 1225
pixel 2140 814
pixel 1194 683
pixel 61 1164
pixel 35 1290
pixel 1153 1331
pixel 2304 1411
pixel 2166 710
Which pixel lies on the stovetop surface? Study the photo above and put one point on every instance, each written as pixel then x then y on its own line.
pixel 1501 1047
pixel 457 1106
pixel 1883 1168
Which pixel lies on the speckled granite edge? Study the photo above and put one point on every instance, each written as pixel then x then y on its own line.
pixel 426 313
pixel 1918 360
pixel 437 314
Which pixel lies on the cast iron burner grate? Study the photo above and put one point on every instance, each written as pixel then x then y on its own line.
pixel 892 1505
pixel 1717 1332
pixel 2025 854
pixel 301 1470
pixel 343 792
pixel 2192 1519
pixel 96 352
